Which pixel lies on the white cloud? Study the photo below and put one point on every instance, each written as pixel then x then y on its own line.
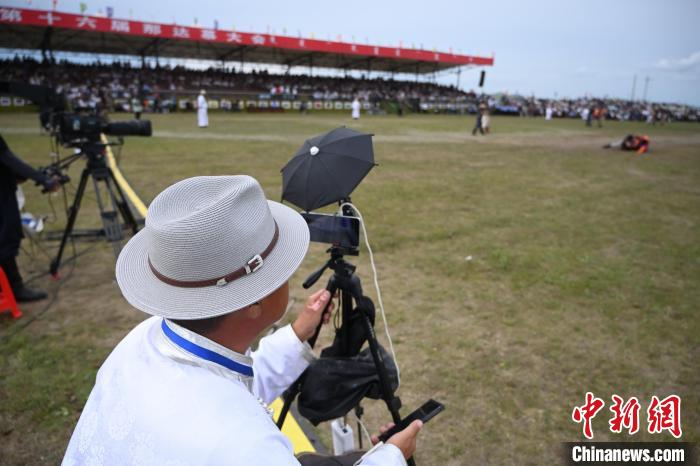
pixel 689 63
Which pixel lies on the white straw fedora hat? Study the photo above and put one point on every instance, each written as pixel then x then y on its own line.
pixel 211 245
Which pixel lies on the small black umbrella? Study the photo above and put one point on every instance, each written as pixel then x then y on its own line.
pixel 327 168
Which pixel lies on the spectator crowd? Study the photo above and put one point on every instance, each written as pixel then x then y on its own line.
pixel 118 86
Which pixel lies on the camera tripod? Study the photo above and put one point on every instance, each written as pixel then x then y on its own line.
pixel 350 287
pixel 97 169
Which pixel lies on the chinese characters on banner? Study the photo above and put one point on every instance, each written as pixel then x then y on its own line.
pixel 107 23
pixel 662 415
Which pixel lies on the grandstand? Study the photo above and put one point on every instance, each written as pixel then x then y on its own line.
pixel 51 31
pixel 165 88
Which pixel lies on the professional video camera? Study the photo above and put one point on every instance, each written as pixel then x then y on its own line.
pixel 83 130
pixel 72 128
pixel 75 128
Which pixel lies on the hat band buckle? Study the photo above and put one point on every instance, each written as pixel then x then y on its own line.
pixel 257 260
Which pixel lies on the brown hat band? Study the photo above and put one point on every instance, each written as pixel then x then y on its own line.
pixel 251 266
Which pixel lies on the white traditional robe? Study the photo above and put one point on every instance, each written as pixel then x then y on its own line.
pixel 202 117
pixel 548 113
pixel 355 109
pixel 168 396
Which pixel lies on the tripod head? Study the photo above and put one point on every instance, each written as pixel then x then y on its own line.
pixel 92 150
pixel 343 279
pixel 336 263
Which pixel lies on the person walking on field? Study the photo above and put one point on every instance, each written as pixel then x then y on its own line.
pixel 599 115
pixel 136 107
pixel 548 112
pixel 202 107
pixel 356 109
pixel 486 120
pixel 479 126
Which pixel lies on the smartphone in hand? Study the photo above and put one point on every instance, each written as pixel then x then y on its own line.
pixel 429 410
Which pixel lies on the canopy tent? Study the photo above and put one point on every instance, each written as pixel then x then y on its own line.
pixel 58 31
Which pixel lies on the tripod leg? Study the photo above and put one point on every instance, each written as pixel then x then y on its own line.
pixel 110 219
pixel 122 204
pixel 393 402
pixel 289 396
pixel 56 263
pixel 295 388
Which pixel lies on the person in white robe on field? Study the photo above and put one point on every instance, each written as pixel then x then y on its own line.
pixel 212 267
pixel 356 109
pixel 548 112
pixel 202 108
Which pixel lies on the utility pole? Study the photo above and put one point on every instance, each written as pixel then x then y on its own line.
pixel 459 74
pixel 646 86
pixel 634 87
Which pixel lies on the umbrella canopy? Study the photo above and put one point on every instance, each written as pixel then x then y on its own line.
pixel 327 168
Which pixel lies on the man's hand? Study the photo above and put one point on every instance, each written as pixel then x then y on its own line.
pixel 309 317
pixel 404 440
pixel 54 184
pixel 51 184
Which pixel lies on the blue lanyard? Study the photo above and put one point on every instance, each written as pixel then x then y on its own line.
pixel 205 353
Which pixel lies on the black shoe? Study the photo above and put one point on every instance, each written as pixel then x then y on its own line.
pixel 27 295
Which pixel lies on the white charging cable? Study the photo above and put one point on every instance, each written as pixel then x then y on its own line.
pixel 364 430
pixel 376 286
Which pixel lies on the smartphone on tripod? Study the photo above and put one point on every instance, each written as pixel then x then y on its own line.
pixel 338 230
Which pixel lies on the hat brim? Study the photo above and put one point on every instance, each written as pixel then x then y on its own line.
pixel 143 290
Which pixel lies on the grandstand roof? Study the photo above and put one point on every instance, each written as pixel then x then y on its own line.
pixel 58 31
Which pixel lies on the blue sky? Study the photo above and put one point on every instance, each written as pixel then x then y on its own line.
pixel 549 48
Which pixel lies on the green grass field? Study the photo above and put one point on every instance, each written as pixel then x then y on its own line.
pixel 584 274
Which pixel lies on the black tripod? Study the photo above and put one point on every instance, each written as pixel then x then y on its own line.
pixel 345 281
pixel 100 172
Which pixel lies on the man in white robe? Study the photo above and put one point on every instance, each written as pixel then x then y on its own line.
pixel 355 109
pixel 202 108
pixel 183 387
pixel 548 112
